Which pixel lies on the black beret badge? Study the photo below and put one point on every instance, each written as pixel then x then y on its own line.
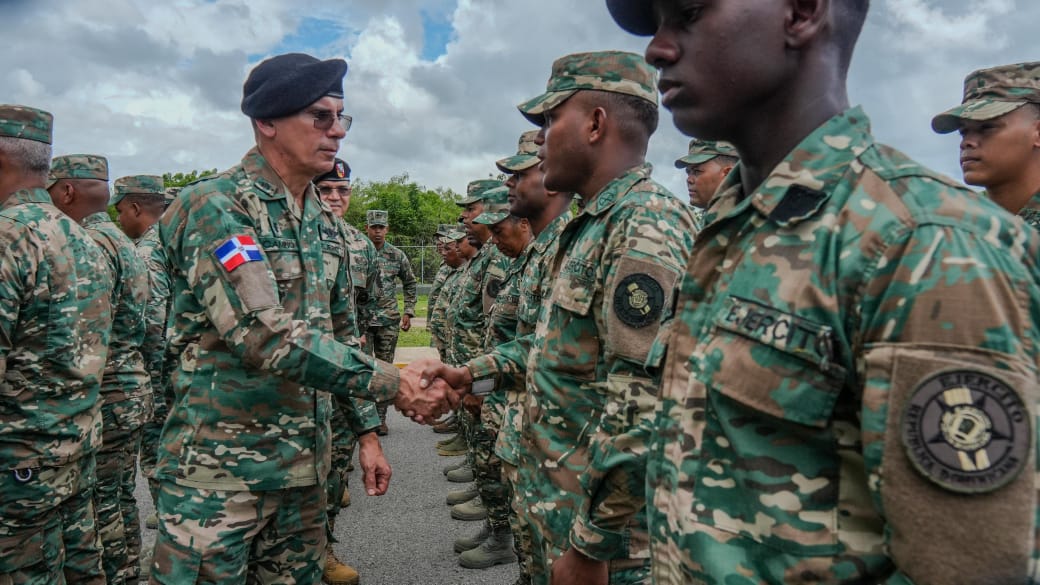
pixel 966 431
pixel 340 170
pixel 638 300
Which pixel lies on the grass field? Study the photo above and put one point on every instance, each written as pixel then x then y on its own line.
pixel 417 336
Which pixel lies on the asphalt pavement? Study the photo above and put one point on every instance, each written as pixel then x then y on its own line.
pixel 404 537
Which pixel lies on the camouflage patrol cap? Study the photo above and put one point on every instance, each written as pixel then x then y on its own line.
pixel 477 190
pixel 457 233
pixel 138 185
pixel 496 206
pixel 701 151
pixel 991 93
pixel 25 122
pixel 443 229
pixel 526 154
pixel 376 217
pixel 78 166
pixel 613 71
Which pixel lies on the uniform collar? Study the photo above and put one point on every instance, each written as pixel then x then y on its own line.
pixel 1031 212
pixel 803 181
pixel 552 231
pixel 27 196
pixel 97 218
pixel 616 189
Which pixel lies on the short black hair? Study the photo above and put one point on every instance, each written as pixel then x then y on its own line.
pixel 146 200
pixel 639 117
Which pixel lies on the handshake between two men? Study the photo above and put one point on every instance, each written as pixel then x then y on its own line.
pixel 430 388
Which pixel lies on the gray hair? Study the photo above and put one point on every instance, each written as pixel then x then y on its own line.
pixel 32 157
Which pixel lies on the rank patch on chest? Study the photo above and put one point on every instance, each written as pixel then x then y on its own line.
pixel 638 300
pixel 494 286
pixel 238 250
pixel 966 431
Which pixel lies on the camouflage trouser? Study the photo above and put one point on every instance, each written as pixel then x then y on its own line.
pixel 344 442
pixel 119 524
pixel 494 492
pixel 468 428
pixel 150 442
pixel 383 342
pixel 48 531
pixel 549 512
pixel 235 537
pixel 517 522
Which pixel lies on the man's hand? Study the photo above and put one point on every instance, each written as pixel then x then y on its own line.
pixel 472 404
pixel 458 378
pixel 574 568
pixel 423 403
pixel 406 322
pixel 374 466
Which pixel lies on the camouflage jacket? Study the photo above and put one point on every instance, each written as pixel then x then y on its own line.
pixel 1031 212
pixel 364 275
pixel 502 320
pixel 394 265
pixel 125 386
pixel 439 326
pixel 535 281
pixel 55 317
pixel 468 313
pixel 153 347
pixel 435 288
pixel 261 307
pixel 589 399
pixel 850 381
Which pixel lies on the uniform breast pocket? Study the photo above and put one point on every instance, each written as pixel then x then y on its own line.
pixel 770 463
pixel 286 263
pixel 332 255
pixel 572 344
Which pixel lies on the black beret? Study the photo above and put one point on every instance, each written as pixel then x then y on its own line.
pixel 285 84
pixel 340 172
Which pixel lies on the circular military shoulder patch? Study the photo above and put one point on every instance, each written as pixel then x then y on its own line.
pixel 494 286
pixel 966 431
pixel 638 300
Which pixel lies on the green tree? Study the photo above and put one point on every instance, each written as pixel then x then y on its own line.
pixel 182 179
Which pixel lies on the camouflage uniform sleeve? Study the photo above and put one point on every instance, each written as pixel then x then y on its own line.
pixel 242 304
pixel 651 246
pixel 408 285
pixel 965 381
pixel 503 368
pixel 18 267
pixel 153 348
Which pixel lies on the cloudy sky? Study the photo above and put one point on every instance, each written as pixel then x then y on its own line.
pixel 155 85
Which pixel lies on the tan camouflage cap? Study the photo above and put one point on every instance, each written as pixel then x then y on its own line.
pixel 457 233
pixel 991 93
pixel 496 207
pixel 477 190
pixel 25 122
pixel 614 71
pixel 377 217
pixel 526 155
pixel 78 166
pixel 443 229
pixel 138 185
pixel 701 151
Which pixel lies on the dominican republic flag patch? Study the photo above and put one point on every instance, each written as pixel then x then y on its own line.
pixel 237 251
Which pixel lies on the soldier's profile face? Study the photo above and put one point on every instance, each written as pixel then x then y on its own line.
pixel 994 152
pixel 527 192
pixel 509 236
pixel 309 148
pixel 719 61
pixel 560 146
pixel 702 180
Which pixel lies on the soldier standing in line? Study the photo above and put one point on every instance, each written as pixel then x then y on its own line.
pixel 79 188
pixel 999 124
pixel 850 380
pixel 450 424
pixel 388 322
pixel 706 164
pixel 348 428
pixel 589 397
pixel 55 318
pixel 259 295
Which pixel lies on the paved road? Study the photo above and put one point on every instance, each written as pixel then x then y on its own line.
pixel 404 537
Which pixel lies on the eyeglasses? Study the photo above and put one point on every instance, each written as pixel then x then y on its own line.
pixel 323 119
pixel 341 191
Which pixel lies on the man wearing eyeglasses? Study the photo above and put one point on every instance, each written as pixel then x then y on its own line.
pixel 261 303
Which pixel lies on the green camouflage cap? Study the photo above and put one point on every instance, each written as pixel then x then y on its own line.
pixel 991 93
pixel 614 71
pixel 457 234
pixel 443 229
pixel 377 217
pixel 138 185
pixel 701 151
pixel 25 122
pixel 477 190
pixel 496 206
pixel 78 166
pixel 526 155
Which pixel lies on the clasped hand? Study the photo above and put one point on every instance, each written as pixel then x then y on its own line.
pixel 429 389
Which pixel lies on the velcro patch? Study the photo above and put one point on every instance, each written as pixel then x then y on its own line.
pixel 967 431
pixel 785 331
pixel 638 300
pixel 236 251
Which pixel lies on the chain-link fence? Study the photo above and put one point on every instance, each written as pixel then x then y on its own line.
pixel 425 260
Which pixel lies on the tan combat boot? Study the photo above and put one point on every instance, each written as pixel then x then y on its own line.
pixel 337 572
pixel 345 501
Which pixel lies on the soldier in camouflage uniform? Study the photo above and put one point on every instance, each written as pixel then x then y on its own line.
pixel 850 379
pixel 55 317
pixel 511 236
pixel 588 395
pixel 456 260
pixel 442 240
pixel 706 164
pixel 78 185
pixel 388 322
pixel 261 304
pixel 334 189
pixel 999 125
